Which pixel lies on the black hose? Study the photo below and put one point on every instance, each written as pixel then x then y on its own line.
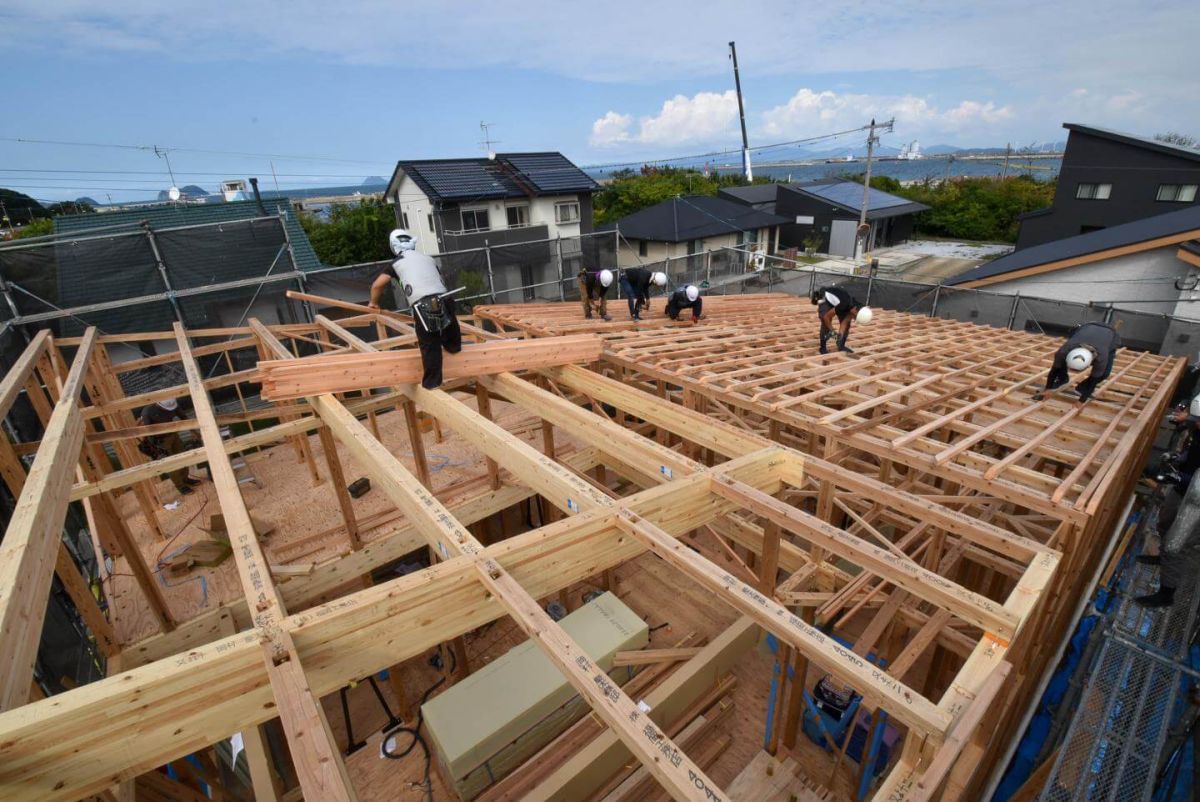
pixel 417 739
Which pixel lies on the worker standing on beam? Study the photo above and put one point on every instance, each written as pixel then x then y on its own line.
pixel 158 446
pixel 685 298
pixel 1092 345
pixel 593 287
pixel 432 306
pixel 836 302
pixel 636 283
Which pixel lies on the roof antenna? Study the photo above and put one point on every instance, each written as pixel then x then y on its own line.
pixel 487 139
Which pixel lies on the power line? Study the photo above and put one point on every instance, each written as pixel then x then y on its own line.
pixel 152 148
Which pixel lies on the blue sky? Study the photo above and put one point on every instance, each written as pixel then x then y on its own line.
pixel 357 84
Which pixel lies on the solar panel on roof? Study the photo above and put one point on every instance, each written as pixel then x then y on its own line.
pixel 848 193
pixel 463 180
pixel 550 172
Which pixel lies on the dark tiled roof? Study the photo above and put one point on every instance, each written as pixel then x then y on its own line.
pixel 509 175
pixel 170 215
pixel 848 195
pixel 1135 140
pixel 753 194
pixel 1094 242
pixel 694 217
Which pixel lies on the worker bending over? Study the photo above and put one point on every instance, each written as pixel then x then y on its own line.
pixel 593 287
pixel 157 446
pixel 1091 345
pixel 685 298
pixel 431 305
pixel 635 283
pixel 836 302
pixel 1178 519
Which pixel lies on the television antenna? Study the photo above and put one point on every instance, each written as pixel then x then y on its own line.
pixel 164 154
pixel 487 139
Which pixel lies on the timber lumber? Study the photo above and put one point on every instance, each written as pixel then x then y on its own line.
pixel 642 657
pixel 29 550
pixel 284 379
pixel 318 763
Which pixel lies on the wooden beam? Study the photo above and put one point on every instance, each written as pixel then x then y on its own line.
pixel 18 375
pixel 30 546
pixel 643 657
pixel 318 763
pixel 921 582
pixel 899 700
pixel 295 378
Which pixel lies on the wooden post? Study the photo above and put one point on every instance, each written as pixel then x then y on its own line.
pixel 338 480
pixel 484 402
pixel 415 442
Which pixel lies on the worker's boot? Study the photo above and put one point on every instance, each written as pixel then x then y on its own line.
pixel 1163 597
pixel 588 315
pixel 824 339
pixel 842 344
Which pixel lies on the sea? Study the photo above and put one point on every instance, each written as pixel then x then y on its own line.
pixel 934 168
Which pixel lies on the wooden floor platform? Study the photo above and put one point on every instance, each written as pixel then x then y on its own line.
pixel 906 520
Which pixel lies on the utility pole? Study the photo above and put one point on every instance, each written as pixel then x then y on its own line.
pixel 872 140
pixel 1007 153
pixel 737 82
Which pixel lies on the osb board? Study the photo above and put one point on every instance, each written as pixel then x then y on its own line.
pixel 290 501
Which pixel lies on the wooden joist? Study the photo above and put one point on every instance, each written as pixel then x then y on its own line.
pixel 30 546
pixel 295 378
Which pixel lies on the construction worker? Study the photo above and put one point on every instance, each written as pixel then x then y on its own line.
pixel 432 307
pixel 685 298
pixel 1091 345
pixel 1178 519
pixel 157 446
pixel 636 283
pixel 836 302
pixel 593 287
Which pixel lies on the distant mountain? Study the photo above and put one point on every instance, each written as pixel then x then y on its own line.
pixel 88 201
pixel 374 181
pixel 940 150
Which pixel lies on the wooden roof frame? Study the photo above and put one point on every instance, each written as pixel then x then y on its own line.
pixel 187 687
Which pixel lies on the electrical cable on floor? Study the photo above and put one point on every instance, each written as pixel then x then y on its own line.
pixel 417 739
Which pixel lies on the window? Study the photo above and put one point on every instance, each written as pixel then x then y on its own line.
pixel 429 219
pixel 695 246
pixel 404 220
pixel 643 248
pixel 566 212
pixel 475 219
pixel 1093 191
pixel 1176 193
pixel 518 216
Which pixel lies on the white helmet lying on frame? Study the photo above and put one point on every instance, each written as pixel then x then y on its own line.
pixel 606 278
pixel 864 316
pixel 692 293
pixel 659 278
pixel 1080 358
pixel 401 240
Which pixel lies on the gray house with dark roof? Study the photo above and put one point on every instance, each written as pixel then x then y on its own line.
pixel 459 204
pixel 826 212
pixel 1109 178
pixel 690 225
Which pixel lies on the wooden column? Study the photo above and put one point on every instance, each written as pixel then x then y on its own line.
pixel 338 479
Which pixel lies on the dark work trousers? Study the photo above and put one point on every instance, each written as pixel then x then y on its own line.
pixel 630 296
pixel 432 340
pixel 1179 545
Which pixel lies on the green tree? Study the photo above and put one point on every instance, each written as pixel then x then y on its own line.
pixel 353 233
pixel 41 227
pixel 628 191
pixel 68 207
pixel 21 208
pixel 1176 138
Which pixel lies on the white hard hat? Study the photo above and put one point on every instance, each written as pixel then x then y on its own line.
pixel 1194 408
pixel 864 315
pixel 606 278
pixel 691 292
pixel 169 404
pixel 401 240
pixel 1080 358
pixel 659 278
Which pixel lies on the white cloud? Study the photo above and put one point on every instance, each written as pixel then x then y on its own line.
pixel 809 113
pixel 704 117
pixel 611 129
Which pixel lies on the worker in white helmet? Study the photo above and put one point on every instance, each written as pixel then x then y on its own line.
pixel 432 307
pixel 593 291
pixel 1092 345
pixel 1178 520
pixel 636 283
pixel 164 444
pixel 685 298
pixel 837 303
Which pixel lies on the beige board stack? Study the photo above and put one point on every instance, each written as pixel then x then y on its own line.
pixel 489 723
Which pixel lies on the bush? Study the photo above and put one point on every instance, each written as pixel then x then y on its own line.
pixel 628 191
pixel 976 208
pixel 353 233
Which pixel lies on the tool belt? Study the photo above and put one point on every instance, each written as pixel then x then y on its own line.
pixel 151 448
pixel 433 312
